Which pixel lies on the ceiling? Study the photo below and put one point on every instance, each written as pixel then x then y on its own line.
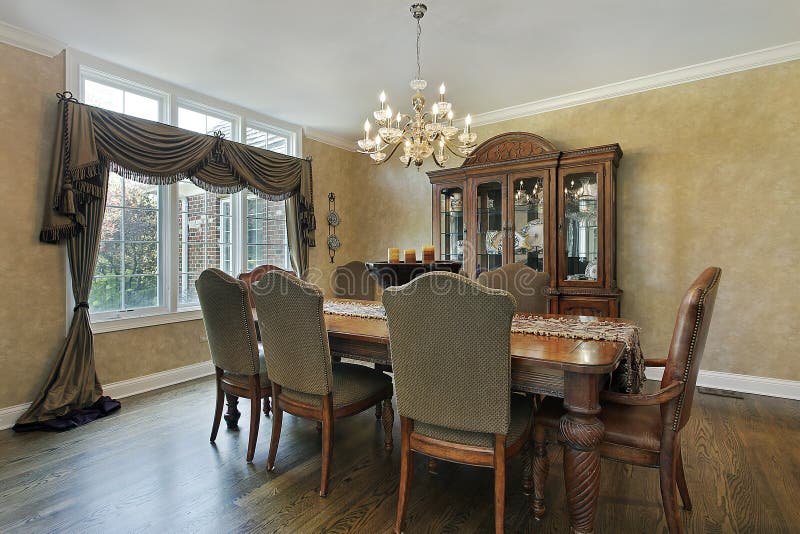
pixel 321 64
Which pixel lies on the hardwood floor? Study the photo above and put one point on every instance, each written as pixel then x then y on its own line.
pixel 151 468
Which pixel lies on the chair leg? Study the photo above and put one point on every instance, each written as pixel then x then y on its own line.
pixel 277 420
pixel 327 443
pixel 406 471
pixel 540 468
pixel 666 473
pixel 681 479
pixel 218 408
pixel 255 417
pixel 499 483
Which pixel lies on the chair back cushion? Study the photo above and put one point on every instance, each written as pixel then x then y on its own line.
pixel 450 341
pixel 293 332
pixel 353 281
pixel 228 319
pixel 688 344
pixel 255 275
pixel 525 284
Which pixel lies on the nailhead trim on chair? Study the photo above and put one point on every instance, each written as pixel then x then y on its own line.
pixel 697 321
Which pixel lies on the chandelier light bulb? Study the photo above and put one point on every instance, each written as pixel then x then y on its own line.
pixel 435 112
pixel 398 119
pixel 450 117
pixel 383 98
pixel 366 128
pixel 388 114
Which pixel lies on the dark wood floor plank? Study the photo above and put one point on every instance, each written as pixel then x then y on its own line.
pixel 150 468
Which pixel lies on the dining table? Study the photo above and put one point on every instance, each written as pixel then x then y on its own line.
pixel 572 369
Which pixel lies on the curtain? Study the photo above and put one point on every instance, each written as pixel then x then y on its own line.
pixel 300 227
pixel 90 142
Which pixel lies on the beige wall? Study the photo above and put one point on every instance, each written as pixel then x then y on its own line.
pixel 708 178
pixel 705 180
pixel 33 281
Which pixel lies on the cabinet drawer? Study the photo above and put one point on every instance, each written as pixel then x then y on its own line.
pixel 599 307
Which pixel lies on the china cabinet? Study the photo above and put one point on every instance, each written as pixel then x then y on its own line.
pixel 521 200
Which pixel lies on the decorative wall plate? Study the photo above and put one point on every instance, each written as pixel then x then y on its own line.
pixel 333 218
pixel 333 242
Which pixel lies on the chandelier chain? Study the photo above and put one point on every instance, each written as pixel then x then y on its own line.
pixel 419 34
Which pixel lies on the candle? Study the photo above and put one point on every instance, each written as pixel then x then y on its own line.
pixel 428 254
pixel 467 122
pixel 410 255
pixel 394 255
pixel 366 129
pixel 383 99
pixel 441 93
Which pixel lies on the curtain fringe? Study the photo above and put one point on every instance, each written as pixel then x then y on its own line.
pixel 167 179
pixel 54 234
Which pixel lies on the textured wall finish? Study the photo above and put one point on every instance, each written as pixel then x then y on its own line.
pixel 708 178
pixel 33 282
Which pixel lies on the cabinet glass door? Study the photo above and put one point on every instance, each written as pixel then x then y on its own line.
pixel 529 221
pixel 490 234
pixel 581 241
pixel 451 224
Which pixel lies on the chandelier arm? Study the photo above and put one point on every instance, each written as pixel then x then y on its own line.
pixel 457 154
pixel 436 160
pixel 390 154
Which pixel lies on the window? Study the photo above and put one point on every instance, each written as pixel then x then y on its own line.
pixel 202 225
pixel 129 271
pixel 266 220
pixel 156 240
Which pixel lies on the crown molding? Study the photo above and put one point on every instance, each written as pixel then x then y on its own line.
pixel 329 139
pixel 709 69
pixel 30 41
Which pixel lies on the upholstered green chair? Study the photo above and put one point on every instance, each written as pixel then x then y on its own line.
pixel 450 342
pixel 305 382
pixel 525 284
pixel 353 281
pixel 231 332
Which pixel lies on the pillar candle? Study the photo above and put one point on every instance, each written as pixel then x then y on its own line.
pixel 410 255
pixel 428 254
pixel 394 255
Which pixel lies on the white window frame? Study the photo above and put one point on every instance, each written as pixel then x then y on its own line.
pixel 81 66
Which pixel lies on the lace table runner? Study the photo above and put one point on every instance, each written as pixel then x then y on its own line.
pixel 629 376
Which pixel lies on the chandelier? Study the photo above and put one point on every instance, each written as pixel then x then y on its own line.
pixel 422 133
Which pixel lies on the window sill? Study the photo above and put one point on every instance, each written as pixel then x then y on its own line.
pixel 128 323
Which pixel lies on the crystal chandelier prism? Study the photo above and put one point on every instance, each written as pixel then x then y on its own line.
pixel 423 133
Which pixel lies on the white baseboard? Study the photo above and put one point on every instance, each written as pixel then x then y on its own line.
pixel 126 388
pixel 757 385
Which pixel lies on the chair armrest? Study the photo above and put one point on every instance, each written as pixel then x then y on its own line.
pixel 655 362
pixel 662 396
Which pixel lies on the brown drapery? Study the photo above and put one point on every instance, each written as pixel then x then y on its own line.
pixel 90 142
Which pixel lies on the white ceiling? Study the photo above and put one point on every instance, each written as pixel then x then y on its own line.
pixel 321 64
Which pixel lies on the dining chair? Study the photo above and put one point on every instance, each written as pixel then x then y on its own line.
pixel 305 382
pixel 525 284
pixel 255 275
pixel 353 281
pixel 450 341
pixel 645 429
pixel 240 369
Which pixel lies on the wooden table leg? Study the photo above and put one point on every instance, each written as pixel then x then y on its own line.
pixel 388 424
pixel 581 432
pixel 233 414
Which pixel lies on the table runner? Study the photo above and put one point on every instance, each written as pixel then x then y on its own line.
pixel 628 377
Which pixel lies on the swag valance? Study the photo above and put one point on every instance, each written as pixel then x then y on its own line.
pixel 94 140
